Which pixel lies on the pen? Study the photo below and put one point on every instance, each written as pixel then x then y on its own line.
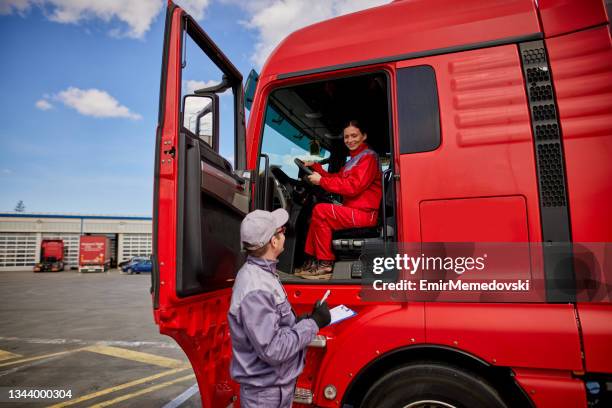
pixel 325 296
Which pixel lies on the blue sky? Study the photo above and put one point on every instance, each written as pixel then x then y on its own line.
pixel 79 85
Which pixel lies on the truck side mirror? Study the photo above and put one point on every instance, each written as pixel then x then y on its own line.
pixel 201 117
pixel 249 91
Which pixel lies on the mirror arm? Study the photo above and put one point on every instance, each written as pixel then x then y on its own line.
pixel 266 180
pixel 218 88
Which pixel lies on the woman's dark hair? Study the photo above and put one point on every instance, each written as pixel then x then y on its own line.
pixel 354 123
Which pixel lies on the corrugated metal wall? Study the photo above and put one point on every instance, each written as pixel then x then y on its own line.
pixel 21 235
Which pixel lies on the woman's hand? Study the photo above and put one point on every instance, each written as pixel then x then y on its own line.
pixel 315 178
pixel 308 163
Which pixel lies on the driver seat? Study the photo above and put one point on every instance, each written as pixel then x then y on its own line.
pixel 348 243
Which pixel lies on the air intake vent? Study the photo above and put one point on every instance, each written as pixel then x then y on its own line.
pixel 534 56
pixel 547 132
pixel 537 75
pixel 540 93
pixel 546 129
pixel 543 112
pixel 551 170
pixel 550 166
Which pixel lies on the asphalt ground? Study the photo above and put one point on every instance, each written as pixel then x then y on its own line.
pixel 91 334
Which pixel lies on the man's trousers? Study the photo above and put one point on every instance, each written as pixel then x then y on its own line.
pixel 278 396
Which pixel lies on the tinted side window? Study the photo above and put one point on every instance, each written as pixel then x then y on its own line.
pixel 418 109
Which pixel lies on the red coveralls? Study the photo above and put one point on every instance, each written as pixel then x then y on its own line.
pixel 359 183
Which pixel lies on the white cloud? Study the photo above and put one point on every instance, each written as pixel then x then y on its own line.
pixel 6 171
pixel 18 6
pixel 43 104
pixel 136 14
pixel 273 20
pixel 195 8
pixel 95 102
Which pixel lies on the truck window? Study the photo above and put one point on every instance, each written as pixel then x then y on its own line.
pixel 418 110
pixel 306 122
pixel 198 73
pixel 283 141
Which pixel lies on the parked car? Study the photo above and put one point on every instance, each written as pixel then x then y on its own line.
pixel 139 266
pixel 132 260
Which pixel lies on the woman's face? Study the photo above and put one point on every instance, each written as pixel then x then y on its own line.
pixel 353 138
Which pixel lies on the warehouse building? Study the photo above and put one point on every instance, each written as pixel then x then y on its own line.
pixel 21 235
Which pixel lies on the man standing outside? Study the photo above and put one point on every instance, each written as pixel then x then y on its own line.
pixel 268 342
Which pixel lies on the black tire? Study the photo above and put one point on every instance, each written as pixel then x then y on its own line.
pixel 431 385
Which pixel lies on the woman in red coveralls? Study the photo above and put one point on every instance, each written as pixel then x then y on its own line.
pixel 359 183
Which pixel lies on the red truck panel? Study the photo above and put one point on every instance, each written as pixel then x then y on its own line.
pixel 596 322
pixel 582 73
pixel 519 335
pixel 94 250
pixel 420 24
pixel 581 64
pixel 560 17
pixel 380 329
pixel 552 389
pixel 486 153
pixel 447 220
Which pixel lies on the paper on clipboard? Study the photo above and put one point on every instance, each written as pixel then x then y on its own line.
pixel 340 313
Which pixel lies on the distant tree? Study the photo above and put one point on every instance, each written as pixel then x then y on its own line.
pixel 20 207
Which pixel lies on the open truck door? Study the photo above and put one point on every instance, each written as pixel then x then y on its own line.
pixel 199 202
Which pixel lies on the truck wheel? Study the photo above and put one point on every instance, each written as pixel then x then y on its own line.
pixel 431 385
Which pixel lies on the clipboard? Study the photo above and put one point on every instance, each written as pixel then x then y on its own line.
pixel 340 313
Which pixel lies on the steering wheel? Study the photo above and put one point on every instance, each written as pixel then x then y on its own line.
pixel 302 167
pixel 317 191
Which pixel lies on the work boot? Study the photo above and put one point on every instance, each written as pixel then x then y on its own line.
pixel 323 271
pixel 308 265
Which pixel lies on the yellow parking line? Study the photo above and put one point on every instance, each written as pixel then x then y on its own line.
pixel 143 391
pixel 137 356
pixel 117 388
pixel 25 360
pixel 7 355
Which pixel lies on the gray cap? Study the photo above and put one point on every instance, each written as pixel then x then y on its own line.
pixel 258 227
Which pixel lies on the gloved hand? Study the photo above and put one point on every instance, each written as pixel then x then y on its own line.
pixel 320 314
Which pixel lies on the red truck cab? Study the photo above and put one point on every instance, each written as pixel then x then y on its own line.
pixel 493 124
pixel 51 256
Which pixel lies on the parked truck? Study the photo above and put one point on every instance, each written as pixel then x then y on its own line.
pixel 94 253
pixel 493 124
pixel 51 256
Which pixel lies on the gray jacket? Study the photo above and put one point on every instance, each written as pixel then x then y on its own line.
pixel 267 344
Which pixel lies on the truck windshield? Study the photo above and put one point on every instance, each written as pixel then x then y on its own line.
pixel 285 139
